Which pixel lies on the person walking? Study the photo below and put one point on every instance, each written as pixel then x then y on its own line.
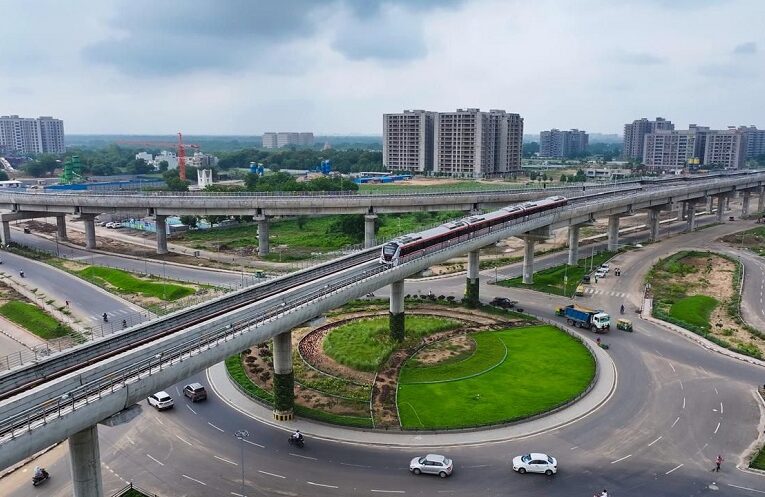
pixel 718 462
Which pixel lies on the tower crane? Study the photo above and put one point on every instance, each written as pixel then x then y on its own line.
pixel 179 146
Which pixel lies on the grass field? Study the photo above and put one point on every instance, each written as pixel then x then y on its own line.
pixel 695 310
pixel 366 344
pixel 550 280
pixel 125 282
pixel 759 461
pixel 544 368
pixel 34 319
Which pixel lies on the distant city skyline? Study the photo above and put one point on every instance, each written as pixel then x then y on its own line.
pixel 335 66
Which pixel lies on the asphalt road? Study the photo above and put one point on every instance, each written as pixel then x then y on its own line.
pixel 677 406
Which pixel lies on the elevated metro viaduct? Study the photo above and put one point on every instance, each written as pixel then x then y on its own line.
pixel 72 404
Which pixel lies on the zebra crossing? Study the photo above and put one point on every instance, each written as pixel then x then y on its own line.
pixel 596 291
pixel 120 314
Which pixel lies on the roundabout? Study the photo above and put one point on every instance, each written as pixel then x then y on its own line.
pixel 456 368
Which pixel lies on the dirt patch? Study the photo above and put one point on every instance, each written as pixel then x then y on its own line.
pixel 445 351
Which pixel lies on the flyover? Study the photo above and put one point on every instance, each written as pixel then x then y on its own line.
pixel 70 405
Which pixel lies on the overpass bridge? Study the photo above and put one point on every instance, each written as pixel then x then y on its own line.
pixel 66 395
pixel 264 206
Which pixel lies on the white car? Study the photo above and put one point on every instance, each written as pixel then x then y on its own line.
pixel 605 266
pixel 160 400
pixel 432 464
pixel 535 462
pixel 601 273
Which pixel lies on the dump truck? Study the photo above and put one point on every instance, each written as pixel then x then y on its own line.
pixel 582 317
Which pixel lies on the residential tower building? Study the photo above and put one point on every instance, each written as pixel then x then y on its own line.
pixel 634 135
pixel 408 141
pixel 557 143
pixel 43 135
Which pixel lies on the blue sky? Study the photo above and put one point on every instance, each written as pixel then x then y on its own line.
pixel 335 66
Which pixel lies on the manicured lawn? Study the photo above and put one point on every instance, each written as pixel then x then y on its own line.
pixel 695 310
pixel 544 368
pixel 34 319
pixel 366 344
pixel 550 280
pixel 125 282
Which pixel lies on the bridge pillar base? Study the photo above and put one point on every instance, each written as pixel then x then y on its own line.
pixel 90 230
pixel 573 244
pixel 263 248
pixel 396 321
pixel 720 207
pixel 61 228
pixel 161 235
pixel 745 203
pixel 654 215
pixel 5 233
pixel 472 298
pixel 613 233
pixel 85 458
pixel 284 415
pixel 528 260
pixel 284 381
pixel 691 216
pixel 761 199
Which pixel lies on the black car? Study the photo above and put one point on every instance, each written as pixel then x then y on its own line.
pixel 503 302
pixel 586 278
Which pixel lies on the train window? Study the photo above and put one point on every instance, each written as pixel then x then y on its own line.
pixel 390 249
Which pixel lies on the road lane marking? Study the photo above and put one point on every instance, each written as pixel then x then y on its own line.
pixel 355 465
pixel 190 409
pixel 673 424
pixel 253 443
pixel 478 466
pixel 178 391
pixel 159 420
pixel 388 491
pixel 304 457
pixel 321 484
pixel 683 402
pixel 226 460
pixel 718 393
pixel 219 429
pixel 155 460
pixel 673 469
pixel 574 447
pixel 182 440
pixel 194 479
pixel 718 427
pixel 747 488
pixel 621 459
pixel 673 368
pixel 654 441
pixel 271 474
pixel 721 408
pixel 681 386
pixel 130 440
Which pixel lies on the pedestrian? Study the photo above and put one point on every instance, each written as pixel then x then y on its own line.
pixel 67 303
pixel 596 280
pixel 718 462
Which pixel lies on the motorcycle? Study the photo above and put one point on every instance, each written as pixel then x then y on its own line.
pixel 21 273
pixel 299 442
pixel 37 480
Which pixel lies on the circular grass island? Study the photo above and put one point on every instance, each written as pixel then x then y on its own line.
pixel 457 368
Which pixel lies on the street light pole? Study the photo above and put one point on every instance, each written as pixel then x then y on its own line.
pixel 241 435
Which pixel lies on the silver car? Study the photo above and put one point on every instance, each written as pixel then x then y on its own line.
pixel 535 463
pixel 432 464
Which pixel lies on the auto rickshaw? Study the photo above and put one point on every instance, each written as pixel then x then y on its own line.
pixel 624 325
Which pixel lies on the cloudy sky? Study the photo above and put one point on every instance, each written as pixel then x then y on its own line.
pixel 335 66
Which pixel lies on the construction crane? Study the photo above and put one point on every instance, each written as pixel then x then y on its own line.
pixel 179 146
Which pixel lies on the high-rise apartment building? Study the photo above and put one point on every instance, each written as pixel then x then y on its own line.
pixel 286 139
pixel 408 141
pixel 557 143
pixel 477 144
pixel 755 141
pixel 725 148
pixel 634 135
pixel 43 135
pixel 672 149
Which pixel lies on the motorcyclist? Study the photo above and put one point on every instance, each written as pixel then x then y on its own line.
pixel 297 435
pixel 622 309
pixel 21 273
pixel 40 473
pixel 124 323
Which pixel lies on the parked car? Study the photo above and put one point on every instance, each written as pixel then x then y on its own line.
pixel 103 223
pixel 160 400
pixel 432 464
pixel 586 278
pixel 503 302
pixel 111 225
pixel 605 266
pixel 195 391
pixel 535 462
pixel 601 273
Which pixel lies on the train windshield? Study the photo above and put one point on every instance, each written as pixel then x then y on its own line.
pixel 389 249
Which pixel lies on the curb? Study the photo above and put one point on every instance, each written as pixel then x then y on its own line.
pixel 11 469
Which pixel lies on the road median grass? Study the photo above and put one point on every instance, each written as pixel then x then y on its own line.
pixel 551 280
pixel 695 310
pixel 125 282
pixel 759 460
pixel 365 344
pixel 34 319
pixel 544 368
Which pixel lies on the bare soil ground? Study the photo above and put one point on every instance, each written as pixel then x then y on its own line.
pixel 445 351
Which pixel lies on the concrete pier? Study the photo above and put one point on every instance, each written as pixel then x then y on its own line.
pixel 528 259
pixel 472 297
pixel 85 463
pixel 370 239
pixel 284 381
pixel 263 248
pixel 5 233
pixel 761 199
pixel 573 244
pixel 61 228
pixel 161 234
pixel 720 207
pixel 613 233
pixel 654 215
pixel 90 230
pixel 397 326
pixel 745 203
pixel 691 216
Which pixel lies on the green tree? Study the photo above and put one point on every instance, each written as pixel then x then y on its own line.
pixel 139 166
pixel 163 165
pixel 580 177
pixel 563 178
pixel 176 184
pixel 350 225
pixel 189 220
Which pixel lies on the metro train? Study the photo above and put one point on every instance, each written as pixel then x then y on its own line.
pixel 402 247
